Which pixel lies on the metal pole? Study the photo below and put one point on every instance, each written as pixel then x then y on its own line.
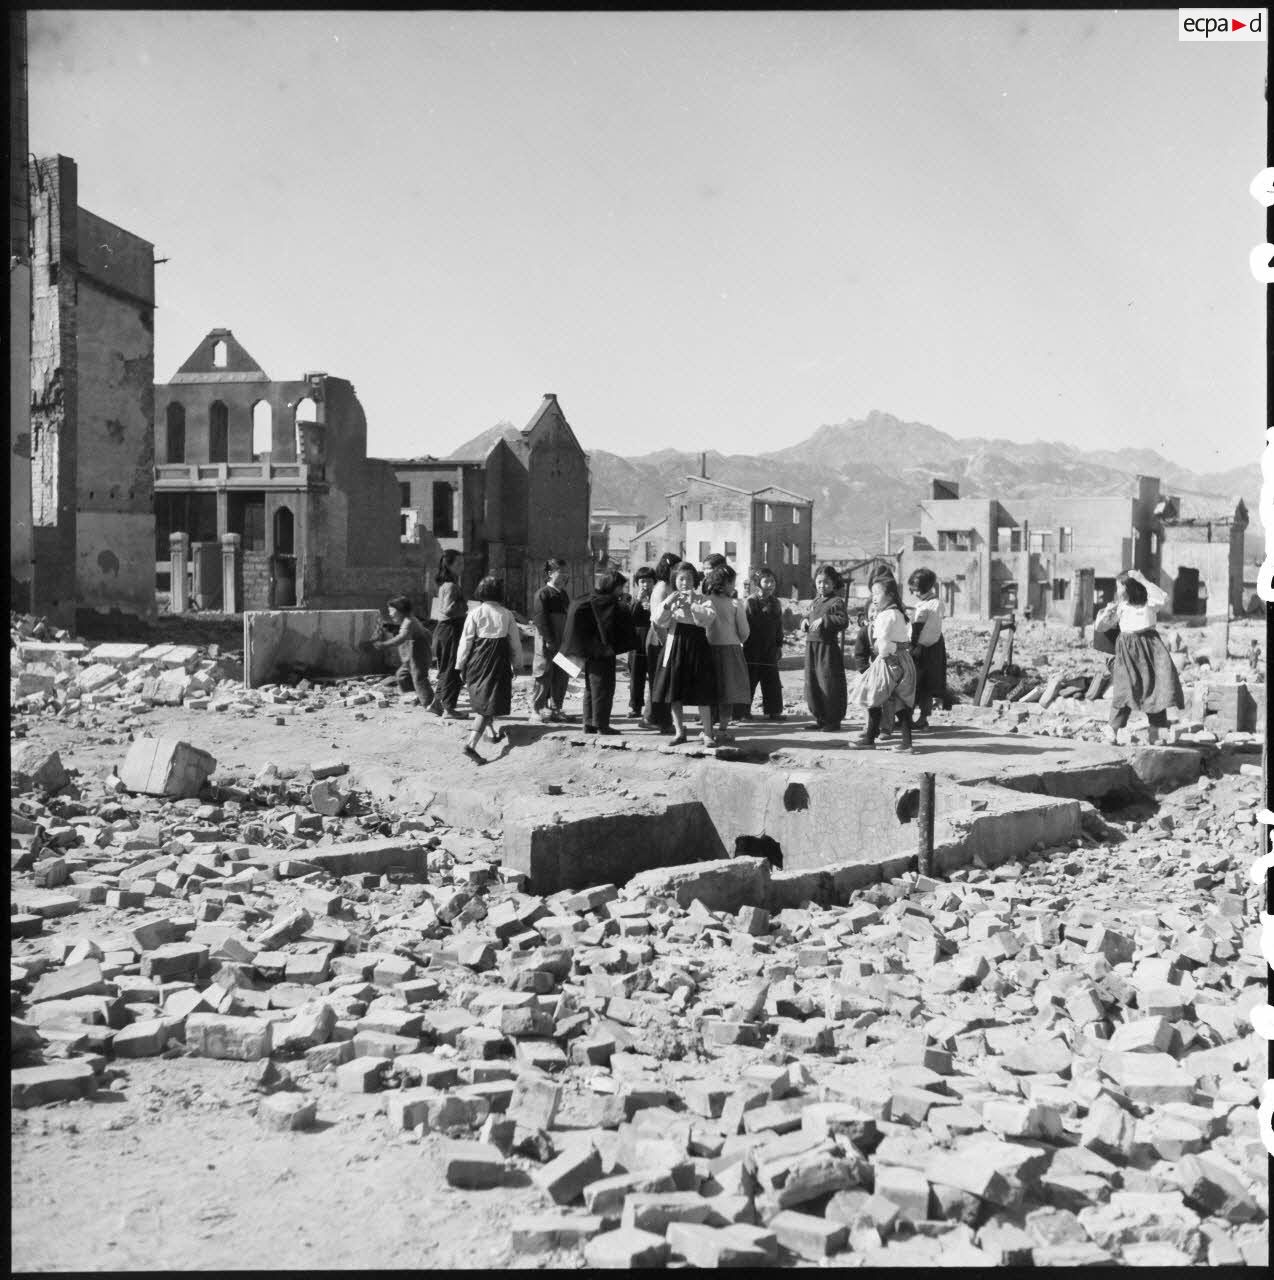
pixel 925 821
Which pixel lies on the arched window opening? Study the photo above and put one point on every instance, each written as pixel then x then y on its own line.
pixel 262 429
pixel 284 536
pixel 219 354
pixel 306 411
pixel 218 432
pixel 176 417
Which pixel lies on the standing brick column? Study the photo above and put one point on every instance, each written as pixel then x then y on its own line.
pixel 229 562
pixel 179 558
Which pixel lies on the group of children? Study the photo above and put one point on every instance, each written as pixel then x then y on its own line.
pixel 691 641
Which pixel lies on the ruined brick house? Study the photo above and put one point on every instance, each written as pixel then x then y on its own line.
pixel 1059 556
pixel 81 514
pixel 1201 566
pixel 526 501
pixel 272 487
pixel 750 527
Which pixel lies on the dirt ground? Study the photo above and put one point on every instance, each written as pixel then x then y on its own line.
pixel 169 1168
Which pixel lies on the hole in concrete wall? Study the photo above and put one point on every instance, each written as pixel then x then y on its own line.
pixel 907 804
pixel 795 797
pixel 219 354
pixel 759 847
pixel 176 421
pixel 218 432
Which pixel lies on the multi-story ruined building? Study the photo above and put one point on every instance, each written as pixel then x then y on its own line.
pixel 272 487
pixel 526 501
pixel 1059 556
pixel 750 527
pixel 81 515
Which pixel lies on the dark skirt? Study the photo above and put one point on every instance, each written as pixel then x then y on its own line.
pixel 1144 677
pixel 686 673
pixel 931 671
pixel 446 642
pixel 489 677
pixel 825 692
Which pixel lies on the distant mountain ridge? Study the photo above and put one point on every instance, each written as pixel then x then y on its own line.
pixel 862 473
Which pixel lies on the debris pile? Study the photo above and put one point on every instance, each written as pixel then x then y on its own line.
pixel 1048 1063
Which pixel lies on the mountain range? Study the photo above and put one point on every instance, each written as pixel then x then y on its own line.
pixel 862 473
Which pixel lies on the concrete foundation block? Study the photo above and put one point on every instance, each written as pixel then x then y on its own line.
pixel 376 856
pixel 327 642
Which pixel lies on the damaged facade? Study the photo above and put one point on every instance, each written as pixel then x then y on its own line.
pixel 750 527
pixel 1059 556
pixel 507 513
pixel 264 494
pixel 81 513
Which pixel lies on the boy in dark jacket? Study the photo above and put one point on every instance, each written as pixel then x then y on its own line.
pixel 764 646
pixel 598 629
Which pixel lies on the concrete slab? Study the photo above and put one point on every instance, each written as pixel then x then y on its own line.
pixel 326 642
pixel 123 656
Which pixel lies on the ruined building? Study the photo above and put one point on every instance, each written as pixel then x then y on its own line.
pixel 507 513
pixel 750 527
pixel 1059 556
pixel 264 494
pixel 81 514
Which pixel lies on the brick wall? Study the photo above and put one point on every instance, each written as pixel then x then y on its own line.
pixel 253 588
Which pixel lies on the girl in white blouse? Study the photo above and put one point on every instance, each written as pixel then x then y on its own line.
pixel 1144 677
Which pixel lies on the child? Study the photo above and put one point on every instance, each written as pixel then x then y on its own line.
pixel 824 660
pixel 643 585
pixel 658 714
pixel 1144 676
pixel 685 672
pixel 928 647
pixel 450 608
pixel 764 645
pixel 599 628
pixel 489 652
pixel 412 642
pixel 727 630
pixel 890 680
pixel 548 616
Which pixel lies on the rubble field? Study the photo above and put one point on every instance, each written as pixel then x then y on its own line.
pixel 270 1009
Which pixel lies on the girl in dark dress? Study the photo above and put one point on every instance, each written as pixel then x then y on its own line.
pixel 825 693
pixel 490 650
pixel 686 671
pixel 450 608
pixel 548 616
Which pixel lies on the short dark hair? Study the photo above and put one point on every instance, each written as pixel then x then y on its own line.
pixel 1133 589
pixel 765 572
pixel 829 572
pixel 644 574
pixel 401 603
pixel 445 561
pixel 665 566
pixel 686 565
pixel 553 564
pixel 714 559
pixel 922 580
pixel 716 582
pixel 490 589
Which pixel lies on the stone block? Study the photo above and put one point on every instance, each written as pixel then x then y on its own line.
pixel 212 1035
pixel 807 1236
pixel 166 767
pixel 473 1166
pixel 906 1188
pixel 704 1246
pixel 564 1178
pixel 1214 1189
pixel 144 1039
pixel 55 1082
pixel 626 1249
pixel 80 979
pixel 654 1211
pixel 287 1111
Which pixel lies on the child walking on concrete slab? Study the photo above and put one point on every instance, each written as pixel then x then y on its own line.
pixel 824 659
pixel 928 647
pixel 1144 677
pixel 490 651
pixel 890 680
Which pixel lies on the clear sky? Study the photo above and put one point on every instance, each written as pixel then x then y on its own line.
pixel 701 230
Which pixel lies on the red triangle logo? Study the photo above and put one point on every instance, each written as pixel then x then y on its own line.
pixel 1236 25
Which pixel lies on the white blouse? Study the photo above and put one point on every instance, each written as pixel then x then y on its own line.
pixel 489 621
pixel 890 631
